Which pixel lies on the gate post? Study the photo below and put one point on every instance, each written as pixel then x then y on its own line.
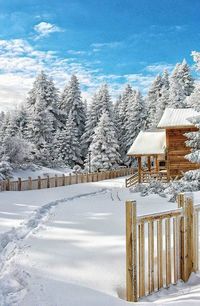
pixel 131 251
pixel 187 237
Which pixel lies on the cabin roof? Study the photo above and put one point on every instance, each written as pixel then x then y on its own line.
pixel 177 118
pixel 148 143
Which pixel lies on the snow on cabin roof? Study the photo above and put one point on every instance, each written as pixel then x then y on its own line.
pixel 149 143
pixel 177 117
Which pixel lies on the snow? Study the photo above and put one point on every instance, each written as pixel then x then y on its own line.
pixel 66 246
pixel 177 117
pixel 149 143
pixel 41 171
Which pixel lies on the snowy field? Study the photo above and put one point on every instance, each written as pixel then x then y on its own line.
pixel 42 172
pixel 66 247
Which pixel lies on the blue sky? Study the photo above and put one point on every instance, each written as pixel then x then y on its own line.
pixel 117 41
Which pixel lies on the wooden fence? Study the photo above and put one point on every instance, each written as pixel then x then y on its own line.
pixel 161 248
pixel 57 181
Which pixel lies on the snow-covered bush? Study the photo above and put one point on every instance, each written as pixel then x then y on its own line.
pixel 5 170
pixel 77 169
pixel 16 150
pixel 153 187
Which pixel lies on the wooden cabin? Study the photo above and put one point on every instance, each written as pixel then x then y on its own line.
pixel 166 146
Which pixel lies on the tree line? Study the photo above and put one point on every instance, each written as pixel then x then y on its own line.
pixel 56 129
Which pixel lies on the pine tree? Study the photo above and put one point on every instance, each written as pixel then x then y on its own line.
pixel 153 97
pixel 186 79
pixel 181 85
pixel 44 88
pixel 104 103
pixel 70 146
pixel 136 120
pixel 194 142
pixel 71 102
pixel 91 122
pixel 104 147
pixel 122 120
pixel 163 99
pixel 194 99
pixel 101 102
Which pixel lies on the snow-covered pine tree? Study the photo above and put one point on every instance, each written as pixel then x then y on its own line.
pixel 104 147
pixel 136 118
pixel 44 88
pixel 186 78
pixel 194 137
pixel 101 102
pixel 69 144
pixel 104 101
pixel 163 100
pixel 40 129
pixel 71 102
pixel 122 120
pixel 181 85
pixel 92 118
pixel 153 96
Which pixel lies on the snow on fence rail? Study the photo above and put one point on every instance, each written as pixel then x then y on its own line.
pixel 161 248
pixel 57 181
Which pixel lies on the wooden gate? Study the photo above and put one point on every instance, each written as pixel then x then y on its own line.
pixel 161 248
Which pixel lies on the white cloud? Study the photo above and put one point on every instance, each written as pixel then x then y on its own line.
pixel 43 29
pixel 20 62
pixel 159 67
pixel 77 52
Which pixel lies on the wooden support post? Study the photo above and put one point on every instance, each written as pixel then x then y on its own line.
pixel 39 182
pixel 180 200
pixel 76 178
pixel 156 164
pixel 30 183
pixel 139 169
pixel 149 163
pixel 131 251
pixel 19 184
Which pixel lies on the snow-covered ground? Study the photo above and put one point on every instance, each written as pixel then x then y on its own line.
pixel 39 171
pixel 66 246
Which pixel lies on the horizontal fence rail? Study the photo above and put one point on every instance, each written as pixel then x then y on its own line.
pixel 161 248
pixel 58 181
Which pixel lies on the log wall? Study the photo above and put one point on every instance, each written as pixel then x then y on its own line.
pixel 176 151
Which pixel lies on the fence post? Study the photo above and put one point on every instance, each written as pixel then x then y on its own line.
pixel 8 184
pixel 48 182
pixel 29 183
pixel 131 251
pixel 187 237
pixel 76 178
pixel 19 184
pixel 63 180
pixel 39 182
pixel 190 233
pixel 56 180
pixel 70 179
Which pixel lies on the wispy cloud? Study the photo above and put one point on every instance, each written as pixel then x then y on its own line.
pixel 77 52
pixel 159 67
pixel 96 47
pixel 43 29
